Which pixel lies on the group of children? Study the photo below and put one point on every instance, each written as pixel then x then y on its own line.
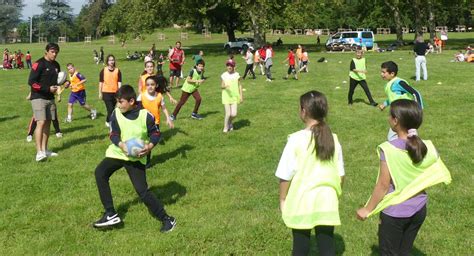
pixel 311 173
pixel 14 60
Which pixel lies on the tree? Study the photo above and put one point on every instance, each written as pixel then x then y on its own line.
pixel 10 11
pixel 394 7
pixel 89 18
pixel 56 18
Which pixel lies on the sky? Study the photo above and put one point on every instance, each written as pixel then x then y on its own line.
pixel 31 7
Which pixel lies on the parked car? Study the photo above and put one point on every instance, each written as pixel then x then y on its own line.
pixel 350 40
pixel 239 43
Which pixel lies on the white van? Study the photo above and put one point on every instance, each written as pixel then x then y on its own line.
pixel 350 40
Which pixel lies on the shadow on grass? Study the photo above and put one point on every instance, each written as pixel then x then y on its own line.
pixel 241 124
pixel 88 116
pixel 362 101
pixel 209 113
pixel 79 141
pixel 414 251
pixel 169 155
pixel 74 128
pixel 167 194
pixel 7 118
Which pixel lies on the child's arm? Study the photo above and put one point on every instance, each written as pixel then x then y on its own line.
pixel 140 85
pixel 171 98
pixel 224 85
pixel 241 91
pixel 169 122
pixel 284 186
pixel 380 190
pixel 153 131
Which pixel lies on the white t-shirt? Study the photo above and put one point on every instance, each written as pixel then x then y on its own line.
pixel 268 54
pixel 287 166
pixel 226 76
pixel 249 58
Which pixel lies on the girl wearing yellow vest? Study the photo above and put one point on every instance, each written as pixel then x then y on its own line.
pixel 78 92
pixel 408 165
pixel 142 87
pixel 311 171
pixel 231 94
pixel 110 80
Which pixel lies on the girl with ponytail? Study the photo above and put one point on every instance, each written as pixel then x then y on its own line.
pixel 311 171
pixel 408 165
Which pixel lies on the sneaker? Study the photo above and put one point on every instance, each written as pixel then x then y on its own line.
pixel 196 116
pixel 68 120
pixel 59 135
pixel 107 124
pixel 375 104
pixel 29 138
pixel 93 114
pixel 168 224
pixel 173 118
pixel 109 219
pixel 51 153
pixel 40 156
pixel 269 80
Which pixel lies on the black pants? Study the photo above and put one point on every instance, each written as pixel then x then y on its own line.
pixel 136 172
pixel 110 102
pixel 184 98
pixel 353 84
pixel 396 235
pixel 324 240
pixel 249 68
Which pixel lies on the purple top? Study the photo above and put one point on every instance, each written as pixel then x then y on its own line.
pixel 410 206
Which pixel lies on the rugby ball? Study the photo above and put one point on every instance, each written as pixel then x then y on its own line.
pixel 61 77
pixel 134 146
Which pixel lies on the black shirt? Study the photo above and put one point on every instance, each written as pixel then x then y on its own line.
pixel 43 75
pixel 420 48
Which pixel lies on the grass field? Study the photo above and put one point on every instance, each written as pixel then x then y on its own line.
pixel 221 188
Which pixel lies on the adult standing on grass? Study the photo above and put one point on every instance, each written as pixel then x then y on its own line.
pixel 176 58
pixel 420 50
pixel 311 172
pixel 110 80
pixel 43 81
pixel 408 165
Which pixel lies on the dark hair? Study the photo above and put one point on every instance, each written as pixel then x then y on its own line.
pixel 150 61
pixel 107 59
pixel 161 83
pixel 50 46
pixel 69 64
pixel 200 62
pixel 410 116
pixel 126 92
pixel 316 107
pixel 390 66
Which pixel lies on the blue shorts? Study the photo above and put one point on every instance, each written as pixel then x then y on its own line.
pixel 79 96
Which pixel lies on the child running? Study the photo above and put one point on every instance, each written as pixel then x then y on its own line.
pixel 357 75
pixel 396 88
pixel 127 122
pixel 190 87
pixel 142 87
pixel 291 64
pixel 231 94
pixel 408 165
pixel 78 92
pixel 311 172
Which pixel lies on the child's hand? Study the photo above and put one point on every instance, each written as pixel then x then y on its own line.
pixel 170 123
pixel 147 149
pixel 381 107
pixel 362 214
pixel 66 84
pixel 100 95
pixel 282 204
pixel 173 101
pixel 123 147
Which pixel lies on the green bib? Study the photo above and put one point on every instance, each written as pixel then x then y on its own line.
pixel 410 179
pixel 359 65
pixel 129 129
pixel 312 198
pixel 191 87
pixel 392 96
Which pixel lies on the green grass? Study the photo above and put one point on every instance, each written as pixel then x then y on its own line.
pixel 221 188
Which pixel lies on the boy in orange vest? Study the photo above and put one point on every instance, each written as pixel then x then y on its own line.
pixel 78 92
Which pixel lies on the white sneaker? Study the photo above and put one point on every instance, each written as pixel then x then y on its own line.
pixel 107 124
pixel 59 135
pixel 269 80
pixel 40 156
pixel 68 120
pixel 29 138
pixel 51 153
pixel 93 114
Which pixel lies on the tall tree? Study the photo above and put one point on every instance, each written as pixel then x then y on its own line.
pixel 58 18
pixel 90 16
pixel 10 11
pixel 394 7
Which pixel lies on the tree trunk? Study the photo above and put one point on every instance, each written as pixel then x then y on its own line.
pixel 431 20
pixel 258 29
pixel 418 17
pixel 230 32
pixel 396 18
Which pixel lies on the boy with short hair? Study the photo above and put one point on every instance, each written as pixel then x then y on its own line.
pixel 128 122
pixel 190 87
pixel 291 64
pixel 357 75
pixel 78 92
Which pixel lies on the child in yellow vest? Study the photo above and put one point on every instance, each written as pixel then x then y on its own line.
pixel 311 171
pixel 357 75
pixel 76 81
pixel 128 121
pixel 408 165
pixel 231 94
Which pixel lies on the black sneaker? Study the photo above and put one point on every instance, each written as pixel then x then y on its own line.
pixel 168 224
pixel 196 116
pixel 375 104
pixel 109 219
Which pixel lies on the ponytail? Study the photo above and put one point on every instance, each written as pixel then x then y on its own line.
pixel 324 141
pixel 415 146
